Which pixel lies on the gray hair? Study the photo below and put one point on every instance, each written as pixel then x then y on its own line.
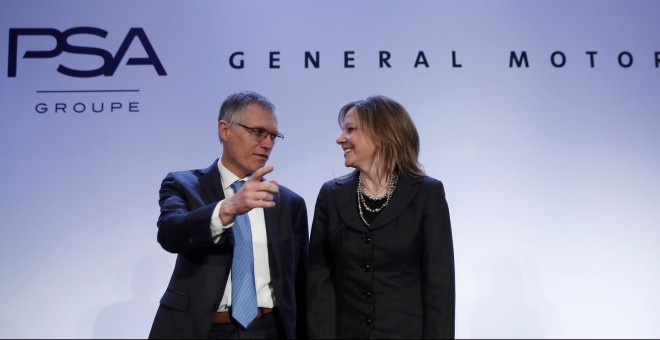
pixel 233 108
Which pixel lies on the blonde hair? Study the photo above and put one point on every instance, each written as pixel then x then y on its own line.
pixel 390 127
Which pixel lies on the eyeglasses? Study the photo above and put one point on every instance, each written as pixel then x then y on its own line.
pixel 260 134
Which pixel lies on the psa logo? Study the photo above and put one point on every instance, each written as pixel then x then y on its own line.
pixel 110 62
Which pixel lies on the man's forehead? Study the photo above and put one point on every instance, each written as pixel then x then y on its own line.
pixel 259 117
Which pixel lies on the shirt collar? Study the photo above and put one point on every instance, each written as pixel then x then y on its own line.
pixel 227 177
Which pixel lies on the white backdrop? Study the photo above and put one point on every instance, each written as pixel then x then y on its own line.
pixel 552 172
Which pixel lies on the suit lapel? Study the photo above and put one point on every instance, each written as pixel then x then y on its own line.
pixel 272 216
pixel 211 184
pixel 345 196
pixel 404 193
pixel 212 192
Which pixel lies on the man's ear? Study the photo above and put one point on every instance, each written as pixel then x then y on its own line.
pixel 223 130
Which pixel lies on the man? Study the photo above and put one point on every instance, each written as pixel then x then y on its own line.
pixel 205 216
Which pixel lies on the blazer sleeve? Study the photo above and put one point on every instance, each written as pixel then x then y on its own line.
pixel 438 266
pixel 185 220
pixel 321 302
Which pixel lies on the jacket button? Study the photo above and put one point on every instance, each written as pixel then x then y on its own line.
pixel 368 294
pixel 366 239
pixel 367 322
pixel 366 267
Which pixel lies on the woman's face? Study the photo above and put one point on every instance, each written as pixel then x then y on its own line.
pixel 359 149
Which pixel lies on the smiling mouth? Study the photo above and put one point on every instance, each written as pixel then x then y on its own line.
pixel 347 150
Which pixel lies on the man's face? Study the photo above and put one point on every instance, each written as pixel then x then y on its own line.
pixel 243 153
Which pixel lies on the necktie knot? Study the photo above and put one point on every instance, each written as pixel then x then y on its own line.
pixel 237 185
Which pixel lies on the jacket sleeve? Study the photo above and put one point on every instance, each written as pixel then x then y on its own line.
pixel 185 220
pixel 438 266
pixel 321 302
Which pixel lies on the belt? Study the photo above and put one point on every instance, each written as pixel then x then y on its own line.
pixel 225 317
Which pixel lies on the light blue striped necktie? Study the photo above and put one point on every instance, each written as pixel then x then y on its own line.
pixel 243 292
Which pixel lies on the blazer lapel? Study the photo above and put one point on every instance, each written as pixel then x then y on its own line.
pixel 404 193
pixel 211 184
pixel 346 200
pixel 271 216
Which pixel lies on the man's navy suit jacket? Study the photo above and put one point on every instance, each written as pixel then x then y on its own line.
pixel 187 200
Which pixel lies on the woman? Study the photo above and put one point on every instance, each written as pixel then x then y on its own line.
pixel 380 261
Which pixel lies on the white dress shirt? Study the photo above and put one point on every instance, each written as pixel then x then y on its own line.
pixel 265 296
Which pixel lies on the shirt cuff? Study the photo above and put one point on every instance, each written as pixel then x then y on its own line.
pixel 217 228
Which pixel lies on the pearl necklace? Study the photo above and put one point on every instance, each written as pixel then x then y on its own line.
pixel 391 185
